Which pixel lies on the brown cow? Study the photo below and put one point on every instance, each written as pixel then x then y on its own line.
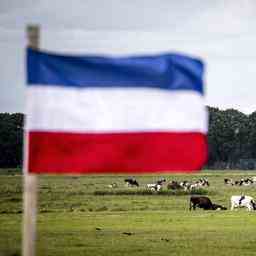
pixel 174 185
pixel 205 203
pixel 200 202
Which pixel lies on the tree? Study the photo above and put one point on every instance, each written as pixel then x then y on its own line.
pixel 227 136
pixel 11 139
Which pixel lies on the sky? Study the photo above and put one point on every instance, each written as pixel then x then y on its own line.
pixel 221 33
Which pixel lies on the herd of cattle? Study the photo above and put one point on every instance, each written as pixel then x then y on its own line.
pixel 241 182
pixel 203 202
pixel 236 202
pixel 159 184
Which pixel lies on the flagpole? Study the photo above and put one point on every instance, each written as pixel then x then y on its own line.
pixel 29 180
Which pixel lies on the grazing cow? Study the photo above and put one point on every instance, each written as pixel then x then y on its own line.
pixel 131 182
pixel 174 185
pixel 247 182
pixel 243 201
pixel 154 187
pixel 161 181
pixel 195 185
pixel 200 202
pixel 238 182
pixel 253 179
pixel 204 182
pixel 244 182
pixel 229 182
pixel 185 184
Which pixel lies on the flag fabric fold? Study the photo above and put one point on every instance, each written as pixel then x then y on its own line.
pixel 102 114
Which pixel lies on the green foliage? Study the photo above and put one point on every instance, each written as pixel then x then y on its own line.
pixel 231 138
pixel 252 135
pixel 11 139
pixel 199 191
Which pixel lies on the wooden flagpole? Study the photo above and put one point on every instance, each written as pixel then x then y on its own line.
pixel 29 180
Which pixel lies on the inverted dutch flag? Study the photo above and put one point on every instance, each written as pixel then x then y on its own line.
pixel 99 114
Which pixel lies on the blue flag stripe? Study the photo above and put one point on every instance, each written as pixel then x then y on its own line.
pixel 164 71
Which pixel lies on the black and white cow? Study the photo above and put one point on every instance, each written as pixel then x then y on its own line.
pixel 242 201
pixel 185 184
pixel 130 182
pixel 204 182
pixel 244 182
pixel 228 181
pixel 253 179
pixel 247 182
pixel 156 186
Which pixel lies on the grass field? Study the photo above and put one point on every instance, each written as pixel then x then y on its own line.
pixel 82 216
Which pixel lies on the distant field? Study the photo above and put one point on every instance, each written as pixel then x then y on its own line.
pixel 81 216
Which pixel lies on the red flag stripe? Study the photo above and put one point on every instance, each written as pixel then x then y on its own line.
pixel 138 152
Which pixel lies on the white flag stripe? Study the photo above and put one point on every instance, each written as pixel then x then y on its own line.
pixel 55 108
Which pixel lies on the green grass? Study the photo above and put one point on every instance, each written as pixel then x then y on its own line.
pixel 82 216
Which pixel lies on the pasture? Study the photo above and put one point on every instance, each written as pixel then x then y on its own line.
pixel 81 215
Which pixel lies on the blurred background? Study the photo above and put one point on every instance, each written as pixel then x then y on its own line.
pixel 222 33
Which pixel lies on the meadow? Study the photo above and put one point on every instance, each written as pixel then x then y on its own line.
pixel 80 215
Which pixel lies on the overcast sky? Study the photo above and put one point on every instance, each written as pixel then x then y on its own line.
pixel 221 32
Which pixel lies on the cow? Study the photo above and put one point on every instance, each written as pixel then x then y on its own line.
pixel 200 202
pixel 247 182
pixel 154 187
pixel 185 184
pixel 161 181
pixel 174 185
pixel 204 182
pixel 130 182
pixel 238 182
pixel 253 179
pixel 242 201
pixel 195 185
pixel 229 182
pixel 244 182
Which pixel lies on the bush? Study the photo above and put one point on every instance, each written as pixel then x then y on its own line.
pixel 142 192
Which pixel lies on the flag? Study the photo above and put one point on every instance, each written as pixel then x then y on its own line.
pixel 108 114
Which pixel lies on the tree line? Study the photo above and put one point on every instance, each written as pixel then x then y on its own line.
pixel 231 139
pixel 11 140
